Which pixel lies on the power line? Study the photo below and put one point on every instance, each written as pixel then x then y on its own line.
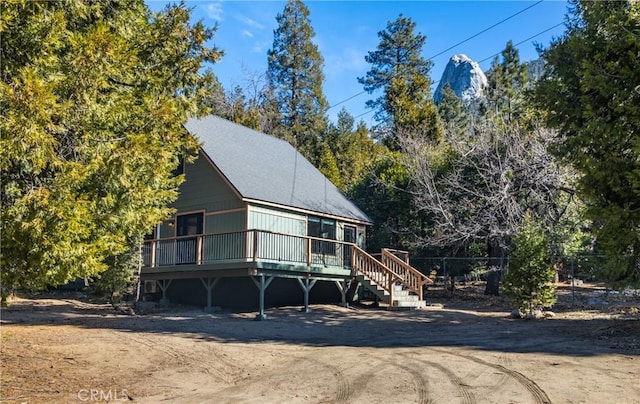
pixel 437 81
pixel 485 30
pixel 346 99
pixel 523 41
pixel 453 46
pixel 516 44
pixel 362 114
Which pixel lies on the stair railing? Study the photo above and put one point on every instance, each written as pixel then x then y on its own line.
pixel 410 277
pixel 374 270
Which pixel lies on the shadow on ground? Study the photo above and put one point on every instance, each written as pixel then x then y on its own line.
pixel 438 326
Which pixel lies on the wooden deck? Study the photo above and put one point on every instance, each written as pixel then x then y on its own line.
pixel 247 251
pixel 264 255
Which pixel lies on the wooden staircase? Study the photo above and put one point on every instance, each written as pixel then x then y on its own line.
pixel 391 278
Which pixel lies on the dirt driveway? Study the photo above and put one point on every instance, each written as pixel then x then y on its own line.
pixel 66 350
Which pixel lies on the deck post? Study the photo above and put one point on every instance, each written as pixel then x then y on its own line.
pixel 343 287
pixel 255 245
pixel 262 286
pixel 306 287
pixel 199 250
pixel 209 284
pixel 164 285
pixel 152 262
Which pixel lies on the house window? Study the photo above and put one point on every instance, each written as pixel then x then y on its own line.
pixel 322 228
pixel 188 225
pixel 186 248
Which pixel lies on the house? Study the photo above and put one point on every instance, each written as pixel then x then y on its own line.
pixel 257 224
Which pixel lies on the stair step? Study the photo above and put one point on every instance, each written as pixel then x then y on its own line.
pixel 410 298
pixel 399 304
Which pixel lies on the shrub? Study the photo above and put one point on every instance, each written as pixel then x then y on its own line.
pixel 529 280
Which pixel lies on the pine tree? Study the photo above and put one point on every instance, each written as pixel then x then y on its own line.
pixel 399 70
pixel 506 81
pixel 296 76
pixel 329 167
pixel 588 91
pixel 529 281
pixel 455 117
pixel 94 96
pixel 353 149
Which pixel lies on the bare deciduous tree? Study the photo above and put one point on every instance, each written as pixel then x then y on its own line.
pixel 479 187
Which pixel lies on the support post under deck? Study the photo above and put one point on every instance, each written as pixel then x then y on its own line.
pixel 343 287
pixel 209 284
pixel 262 286
pixel 164 285
pixel 306 287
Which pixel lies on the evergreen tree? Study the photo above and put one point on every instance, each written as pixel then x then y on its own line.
pixel 529 282
pixel 358 156
pixel 383 195
pixel 295 73
pixel 329 167
pixel 506 81
pixel 454 115
pixel 94 96
pixel 399 70
pixel 353 149
pixel 590 93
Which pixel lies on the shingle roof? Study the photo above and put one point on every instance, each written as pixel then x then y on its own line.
pixel 265 168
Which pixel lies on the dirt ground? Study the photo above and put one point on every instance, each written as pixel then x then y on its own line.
pixel 460 349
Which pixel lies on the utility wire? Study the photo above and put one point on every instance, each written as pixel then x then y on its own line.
pixel 516 44
pixel 438 81
pixel 485 30
pixel 453 46
pixel 362 114
pixel 523 41
pixel 346 99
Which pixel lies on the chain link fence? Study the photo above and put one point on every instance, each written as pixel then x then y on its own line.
pixel 585 268
pixel 461 268
pixel 570 271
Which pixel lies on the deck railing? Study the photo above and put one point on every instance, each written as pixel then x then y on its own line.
pixel 413 279
pixel 246 246
pixel 266 246
pixel 375 270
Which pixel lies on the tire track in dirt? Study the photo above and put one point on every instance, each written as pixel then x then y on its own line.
pixel 349 389
pixel 359 383
pixel 420 382
pixel 343 387
pixel 460 386
pixel 505 360
pixel 192 359
pixel 539 395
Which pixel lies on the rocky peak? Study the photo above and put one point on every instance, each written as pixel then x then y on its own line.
pixel 465 77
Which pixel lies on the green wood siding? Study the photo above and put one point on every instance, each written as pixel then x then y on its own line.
pixel 225 222
pixel 205 189
pixel 278 221
pixel 224 246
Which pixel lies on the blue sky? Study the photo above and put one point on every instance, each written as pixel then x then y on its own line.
pixel 347 30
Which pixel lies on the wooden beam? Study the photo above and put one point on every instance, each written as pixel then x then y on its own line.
pixel 209 284
pixel 262 286
pixel 306 288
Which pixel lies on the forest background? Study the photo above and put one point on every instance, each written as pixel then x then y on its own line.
pixel 94 95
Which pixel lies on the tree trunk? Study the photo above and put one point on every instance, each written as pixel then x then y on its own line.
pixel 495 265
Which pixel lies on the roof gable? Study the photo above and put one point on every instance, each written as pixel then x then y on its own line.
pixel 264 168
